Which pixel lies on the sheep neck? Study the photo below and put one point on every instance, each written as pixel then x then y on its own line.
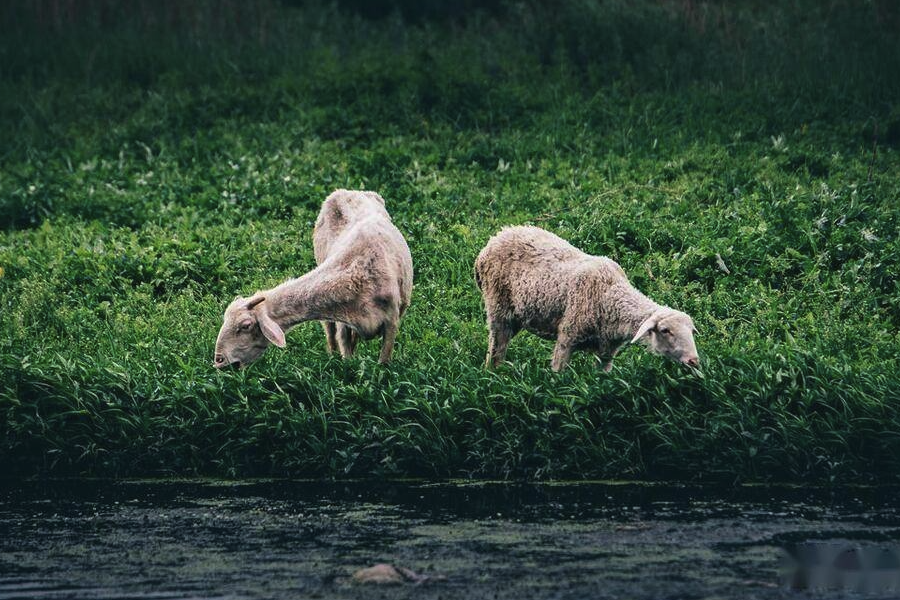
pixel 307 298
pixel 635 309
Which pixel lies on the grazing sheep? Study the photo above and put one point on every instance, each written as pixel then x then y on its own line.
pixel 532 279
pixel 359 290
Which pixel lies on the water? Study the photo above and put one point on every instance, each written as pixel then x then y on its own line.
pixel 275 539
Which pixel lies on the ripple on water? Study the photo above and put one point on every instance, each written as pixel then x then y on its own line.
pixel 275 539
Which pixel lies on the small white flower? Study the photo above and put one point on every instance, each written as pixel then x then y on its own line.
pixel 286 178
pixel 869 235
pixel 502 166
pixel 778 143
pixel 32 189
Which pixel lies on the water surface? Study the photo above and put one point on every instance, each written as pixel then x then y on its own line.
pixel 277 539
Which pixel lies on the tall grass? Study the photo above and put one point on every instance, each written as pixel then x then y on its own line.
pixel 722 153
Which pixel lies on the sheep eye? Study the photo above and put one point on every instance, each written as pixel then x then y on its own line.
pixel 245 325
pixel 665 331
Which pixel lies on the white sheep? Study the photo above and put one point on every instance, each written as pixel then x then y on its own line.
pixel 534 280
pixel 359 290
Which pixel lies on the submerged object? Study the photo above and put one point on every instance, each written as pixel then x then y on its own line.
pixel 383 573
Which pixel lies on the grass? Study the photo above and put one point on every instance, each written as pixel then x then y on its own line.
pixel 722 154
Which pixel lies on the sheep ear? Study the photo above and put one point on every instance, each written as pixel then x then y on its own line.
pixel 270 329
pixel 254 300
pixel 646 326
pixel 267 325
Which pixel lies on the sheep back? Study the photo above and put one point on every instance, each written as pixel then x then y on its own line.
pixel 354 232
pixel 534 278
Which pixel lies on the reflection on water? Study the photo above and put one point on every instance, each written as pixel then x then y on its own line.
pixel 276 539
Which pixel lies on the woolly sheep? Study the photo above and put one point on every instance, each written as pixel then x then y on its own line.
pixel 534 280
pixel 359 290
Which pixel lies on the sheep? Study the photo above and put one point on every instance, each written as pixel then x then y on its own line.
pixel 360 289
pixel 534 280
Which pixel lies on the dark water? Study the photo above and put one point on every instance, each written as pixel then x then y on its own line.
pixel 208 539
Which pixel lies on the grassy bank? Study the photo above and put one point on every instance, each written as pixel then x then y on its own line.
pixel 723 154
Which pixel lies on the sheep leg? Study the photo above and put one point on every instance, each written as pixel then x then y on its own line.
pixel 353 340
pixel 605 363
pixel 606 359
pixel 346 339
pixel 330 340
pixel 499 336
pixel 562 352
pixel 387 341
pixel 608 366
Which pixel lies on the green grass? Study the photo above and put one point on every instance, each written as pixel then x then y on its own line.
pixel 146 179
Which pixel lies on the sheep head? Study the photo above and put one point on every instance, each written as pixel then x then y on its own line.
pixel 670 333
pixel 246 332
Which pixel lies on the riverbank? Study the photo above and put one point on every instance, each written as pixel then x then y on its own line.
pixel 724 157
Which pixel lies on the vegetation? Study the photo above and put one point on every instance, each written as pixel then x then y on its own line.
pixel 739 160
